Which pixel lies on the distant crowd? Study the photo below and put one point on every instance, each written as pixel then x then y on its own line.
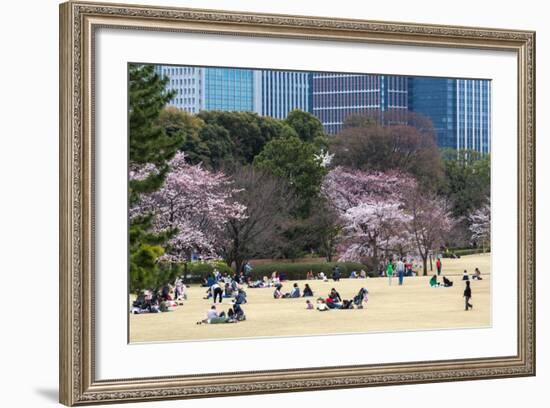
pixel 220 286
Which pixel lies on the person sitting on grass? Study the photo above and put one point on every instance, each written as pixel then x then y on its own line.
pixel 307 291
pixel 322 305
pixel 409 268
pixel 353 275
pixel 235 285
pixel 240 297
pixel 347 304
pixel 277 294
pixel 309 305
pixel 227 291
pixel 213 317
pixel 322 276
pixel 332 303
pixel 360 298
pixel 447 283
pixel 239 312
pixel 477 275
pixel 295 293
pixel 155 304
pixel 465 276
pixel 363 274
pixel 256 284
pixel 433 282
pixel 166 292
pixel 141 305
pixel 335 296
pixel 309 275
pixel 180 290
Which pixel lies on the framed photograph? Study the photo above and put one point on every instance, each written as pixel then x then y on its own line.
pixel 254 203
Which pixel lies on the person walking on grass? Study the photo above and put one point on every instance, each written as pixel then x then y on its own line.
pixel 438 265
pixel 467 297
pixel 389 271
pixel 400 267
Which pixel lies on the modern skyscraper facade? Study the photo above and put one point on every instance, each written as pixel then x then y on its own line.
pixel 188 83
pixel 336 96
pixel 460 110
pixel 229 89
pixel 280 92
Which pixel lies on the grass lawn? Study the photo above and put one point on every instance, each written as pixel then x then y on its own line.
pixel 413 306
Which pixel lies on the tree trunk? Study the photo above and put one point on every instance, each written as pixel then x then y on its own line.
pixel 186 265
pixel 238 265
pixel 425 264
pixel 185 271
pixel 328 249
pixel 375 258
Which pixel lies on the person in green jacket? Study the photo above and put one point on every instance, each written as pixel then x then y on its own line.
pixel 389 271
pixel 433 281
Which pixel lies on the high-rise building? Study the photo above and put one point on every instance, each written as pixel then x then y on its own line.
pixel 280 92
pixel 229 89
pixel 337 96
pixel 188 83
pixel 460 110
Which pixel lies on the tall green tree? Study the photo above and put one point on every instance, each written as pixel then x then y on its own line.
pixel 308 128
pixel 296 161
pixel 148 144
pixel 467 183
pixel 180 125
pixel 221 149
pixel 247 132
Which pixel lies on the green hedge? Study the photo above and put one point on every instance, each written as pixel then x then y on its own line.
pixel 200 270
pixel 297 271
pixel 464 252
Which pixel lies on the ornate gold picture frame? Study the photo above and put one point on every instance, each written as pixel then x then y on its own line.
pixel 78 24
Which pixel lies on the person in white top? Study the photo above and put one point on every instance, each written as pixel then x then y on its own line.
pixel 212 313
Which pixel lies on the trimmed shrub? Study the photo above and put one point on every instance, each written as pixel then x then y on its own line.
pixel 197 271
pixel 464 252
pixel 298 271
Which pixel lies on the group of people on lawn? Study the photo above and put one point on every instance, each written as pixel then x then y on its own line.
pixel 222 286
pixel 335 301
pixel 164 299
pixel 332 301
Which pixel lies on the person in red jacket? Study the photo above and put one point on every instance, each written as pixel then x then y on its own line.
pixel 438 265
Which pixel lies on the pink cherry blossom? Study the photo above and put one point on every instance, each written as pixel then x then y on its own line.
pixel 194 202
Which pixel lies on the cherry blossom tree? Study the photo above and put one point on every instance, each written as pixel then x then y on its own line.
pixel 369 226
pixel 372 210
pixel 193 204
pixel 429 222
pixel 480 225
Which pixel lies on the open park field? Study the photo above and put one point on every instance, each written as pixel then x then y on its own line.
pixel 413 306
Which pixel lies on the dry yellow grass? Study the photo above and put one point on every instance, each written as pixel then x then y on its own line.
pixel 413 306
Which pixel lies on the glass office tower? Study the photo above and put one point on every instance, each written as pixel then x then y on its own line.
pixel 460 110
pixel 280 92
pixel 337 96
pixel 229 89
